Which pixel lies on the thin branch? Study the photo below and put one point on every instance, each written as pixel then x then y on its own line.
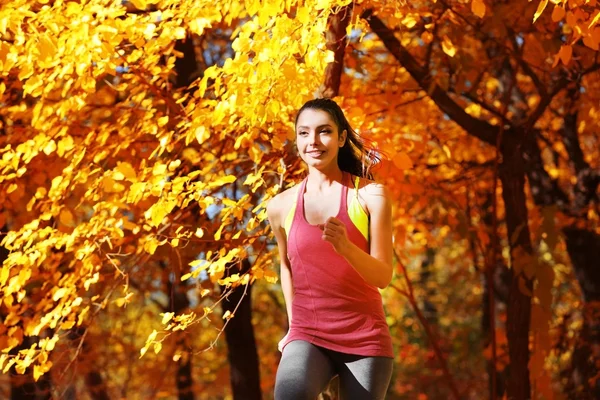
pixel 410 295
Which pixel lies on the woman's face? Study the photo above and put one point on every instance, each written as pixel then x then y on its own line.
pixel 317 138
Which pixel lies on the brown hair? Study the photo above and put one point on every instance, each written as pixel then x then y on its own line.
pixel 355 157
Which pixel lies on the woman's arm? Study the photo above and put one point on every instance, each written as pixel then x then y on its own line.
pixel 376 267
pixel 275 216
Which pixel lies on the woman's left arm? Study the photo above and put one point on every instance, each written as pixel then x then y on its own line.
pixel 376 267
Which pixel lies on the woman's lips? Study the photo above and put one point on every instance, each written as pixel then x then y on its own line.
pixel 315 154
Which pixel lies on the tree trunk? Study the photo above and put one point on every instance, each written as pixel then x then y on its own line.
pixel 583 245
pixel 500 277
pixel 512 176
pixel 429 309
pixel 336 42
pixel 584 249
pixel 241 345
pixel 177 292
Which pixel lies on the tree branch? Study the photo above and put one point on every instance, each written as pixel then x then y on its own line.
pixel 336 42
pixel 476 127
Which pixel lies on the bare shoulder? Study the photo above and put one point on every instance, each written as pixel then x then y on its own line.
pixel 374 194
pixel 279 204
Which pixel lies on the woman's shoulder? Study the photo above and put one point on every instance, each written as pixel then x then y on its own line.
pixel 282 201
pixel 369 187
pixel 371 192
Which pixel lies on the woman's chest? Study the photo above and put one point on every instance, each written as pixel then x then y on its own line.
pixel 318 208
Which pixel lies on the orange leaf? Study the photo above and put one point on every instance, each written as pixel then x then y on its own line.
pixel 478 8
pixel 558 13
pixel 402 161
pixel 565 53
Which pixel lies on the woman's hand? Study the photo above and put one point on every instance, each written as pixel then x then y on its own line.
pixel 334 232
pixel 280 344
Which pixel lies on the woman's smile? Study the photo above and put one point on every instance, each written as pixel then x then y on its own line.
pixel 315 153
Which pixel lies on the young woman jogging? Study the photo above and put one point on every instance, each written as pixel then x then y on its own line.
pixel 334 234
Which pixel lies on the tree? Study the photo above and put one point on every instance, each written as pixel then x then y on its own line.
pixel 119 153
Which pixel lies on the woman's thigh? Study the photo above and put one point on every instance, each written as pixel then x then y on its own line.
pixel 303 372
pixel 364 378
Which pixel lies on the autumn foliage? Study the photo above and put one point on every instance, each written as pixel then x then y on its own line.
pixel 140 141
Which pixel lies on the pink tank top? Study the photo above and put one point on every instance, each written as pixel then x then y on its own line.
pixel 333 306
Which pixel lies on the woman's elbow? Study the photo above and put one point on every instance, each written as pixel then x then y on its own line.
pixel 386 278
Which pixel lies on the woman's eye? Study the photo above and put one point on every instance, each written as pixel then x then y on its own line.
pixel 302 133
pixel 326 131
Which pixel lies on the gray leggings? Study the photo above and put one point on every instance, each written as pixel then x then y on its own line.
pixel 305 370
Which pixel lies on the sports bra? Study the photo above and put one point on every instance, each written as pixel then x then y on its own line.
pixel 356 212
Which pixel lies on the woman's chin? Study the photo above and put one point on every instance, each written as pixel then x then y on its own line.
pixel 321 165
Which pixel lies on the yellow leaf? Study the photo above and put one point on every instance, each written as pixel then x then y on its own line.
pixel 199 233
pixel 47 49
pixel 82 315
pixel 219 231
pixel 151 245
pixel 20 368
pixel 478 8
pixel 594 20
pixel 162 121
pixel 160 210
pixel 227 315
pixel 41 369
pixel 447 151
pixel 179 33
pixel 540 9
pixel 127 170
pixel 64 145
pixel 270 276
pixel 124 300
pixel 167 317
pixel 402 161
pixel 50 147
pixel 201 134
pixel 186 276
pixel 139 4
pixel 8 365
pixel 152 336
pixel 157 347
pixel 221 181
pixel 67 325
pixel 159 169
pixel 409 21
pixel 59 294
pixel 195 263
pixel 448 47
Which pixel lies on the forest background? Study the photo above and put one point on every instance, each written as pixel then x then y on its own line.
pixel 140 141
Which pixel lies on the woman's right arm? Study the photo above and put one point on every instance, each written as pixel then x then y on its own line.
pixel 275 213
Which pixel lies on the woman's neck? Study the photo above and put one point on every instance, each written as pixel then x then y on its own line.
pixel 319 179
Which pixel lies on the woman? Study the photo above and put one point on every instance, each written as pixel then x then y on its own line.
pixel 334 234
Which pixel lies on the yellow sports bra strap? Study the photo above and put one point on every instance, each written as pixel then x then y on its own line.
pixel 356 183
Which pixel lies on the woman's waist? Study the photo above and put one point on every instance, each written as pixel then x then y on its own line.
pixel 341 303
